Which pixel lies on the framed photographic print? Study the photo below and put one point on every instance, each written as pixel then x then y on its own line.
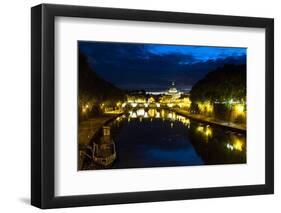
pixel 139 106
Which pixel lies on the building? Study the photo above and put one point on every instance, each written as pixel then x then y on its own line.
pixel 173 92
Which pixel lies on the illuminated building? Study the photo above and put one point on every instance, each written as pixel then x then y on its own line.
pixel 173 92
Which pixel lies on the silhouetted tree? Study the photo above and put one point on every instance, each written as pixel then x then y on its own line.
pixel 223 84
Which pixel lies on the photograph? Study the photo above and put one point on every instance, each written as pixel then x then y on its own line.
pixel 144 105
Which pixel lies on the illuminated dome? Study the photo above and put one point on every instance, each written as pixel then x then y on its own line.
pixel 173 91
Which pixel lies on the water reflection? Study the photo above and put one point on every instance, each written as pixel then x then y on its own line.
pixel 156 137
pixel 155 113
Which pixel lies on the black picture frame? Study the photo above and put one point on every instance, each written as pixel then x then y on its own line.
pixel 43 117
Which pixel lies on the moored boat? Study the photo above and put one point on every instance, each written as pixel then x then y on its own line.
pixel 104 152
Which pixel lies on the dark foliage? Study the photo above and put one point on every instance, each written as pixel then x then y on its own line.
pixel 225 83
pixel 90 84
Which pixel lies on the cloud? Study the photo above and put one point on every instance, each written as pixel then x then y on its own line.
pixel 136 66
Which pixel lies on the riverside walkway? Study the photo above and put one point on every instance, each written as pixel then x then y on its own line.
pixel 204 119
pixel 88 128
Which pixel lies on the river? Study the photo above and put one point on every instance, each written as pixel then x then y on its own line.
pixel 161 138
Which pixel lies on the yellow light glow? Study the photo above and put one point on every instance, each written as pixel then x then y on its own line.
pixel 170 105
pixel 118 104
pixel 134 115
pixel 205 107
pixel 209 107
pixel 200 128
pixel 157 114
pixel 151 113
pixel 239 109
pixel 208 132
pixel 134 104
pixel 170 115
pixel 145 115
pixel 238 145
pixel 229 146
pixel 151 100
pixel 140 112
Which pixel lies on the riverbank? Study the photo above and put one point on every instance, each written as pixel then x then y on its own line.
pixel 88 129
pixel 228 125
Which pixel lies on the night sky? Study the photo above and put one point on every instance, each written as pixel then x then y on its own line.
pixel 153 67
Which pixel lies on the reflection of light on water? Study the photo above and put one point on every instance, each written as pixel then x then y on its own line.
pixel 163 114
pixel 172 125
pixel 157 114
pixel 145 115
pixel 134 115
pixel 208 131
pixel 183 120
pixel 200 129
pixel 153 113
pixel 229 146
pixel 205 131
pixel 237 144
pixel 140 112
pixel 170 115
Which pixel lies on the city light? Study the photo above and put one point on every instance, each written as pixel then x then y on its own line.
pixel 208 131
pixel 140 112
pixel 205 131
pixel 134 104
pixel 118 104
pixel 200 129
pixel 238 145
pixel 239 109
pixel 170 105
pixel 205 107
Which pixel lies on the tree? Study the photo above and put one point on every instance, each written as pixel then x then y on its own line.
pixel 223 84
pixel 94 90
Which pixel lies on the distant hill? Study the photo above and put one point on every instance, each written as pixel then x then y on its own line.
pixel 227 82
pixel 92 86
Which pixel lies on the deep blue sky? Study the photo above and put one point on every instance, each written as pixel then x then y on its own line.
pixel 154 66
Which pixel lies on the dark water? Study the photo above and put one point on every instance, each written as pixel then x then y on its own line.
pixel 162 138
